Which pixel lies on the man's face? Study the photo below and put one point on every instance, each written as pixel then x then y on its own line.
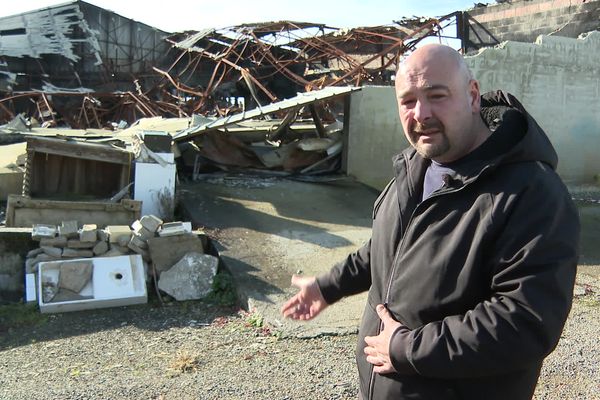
pixel 437 105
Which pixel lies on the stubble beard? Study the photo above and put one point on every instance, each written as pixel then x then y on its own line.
pixel 430 150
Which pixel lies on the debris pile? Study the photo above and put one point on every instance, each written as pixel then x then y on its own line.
pixel 108 77
pixel 70 254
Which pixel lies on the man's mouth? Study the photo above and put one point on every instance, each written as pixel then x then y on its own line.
pixel 427 132
pixel 428 129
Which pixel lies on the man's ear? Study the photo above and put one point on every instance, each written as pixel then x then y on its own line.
pixel 475 96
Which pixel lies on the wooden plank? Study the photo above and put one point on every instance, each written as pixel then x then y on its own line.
pixel 23 211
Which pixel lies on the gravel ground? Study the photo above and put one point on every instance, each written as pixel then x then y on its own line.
pixel 195 350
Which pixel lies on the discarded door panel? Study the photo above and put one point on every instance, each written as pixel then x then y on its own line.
pixel 116 281
pixel 22 211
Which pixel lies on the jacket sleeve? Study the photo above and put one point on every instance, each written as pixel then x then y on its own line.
pixel 534 264
pixel 351 276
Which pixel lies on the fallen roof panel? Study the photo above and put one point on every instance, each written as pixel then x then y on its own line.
pixel 300 100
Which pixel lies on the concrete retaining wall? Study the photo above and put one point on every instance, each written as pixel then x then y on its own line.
pixel 558 80
pixel 374 135
pixel 524 21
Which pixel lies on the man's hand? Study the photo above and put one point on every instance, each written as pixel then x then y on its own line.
pixel 378 347
pixel 308 302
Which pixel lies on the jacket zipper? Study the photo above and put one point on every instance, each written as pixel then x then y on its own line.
pixel 389 287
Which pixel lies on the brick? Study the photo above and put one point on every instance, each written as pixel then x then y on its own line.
pixel 68 229
pixel 88 233
pixel 117 231
pixel 78 244
pixel 81 253
pixel 151 222
pixel 59 241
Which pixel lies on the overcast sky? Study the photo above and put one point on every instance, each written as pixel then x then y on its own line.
pixel 180 15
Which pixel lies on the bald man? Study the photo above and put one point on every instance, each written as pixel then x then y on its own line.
pixel 472 259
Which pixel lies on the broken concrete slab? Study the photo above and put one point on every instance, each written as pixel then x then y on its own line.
pixel 74 276
pixel 191 278
pixel 166 251
pixel 66 295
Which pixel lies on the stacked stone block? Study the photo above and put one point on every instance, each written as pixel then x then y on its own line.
pixel 69 241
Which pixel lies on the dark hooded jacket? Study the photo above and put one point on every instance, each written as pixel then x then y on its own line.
pixel 481 272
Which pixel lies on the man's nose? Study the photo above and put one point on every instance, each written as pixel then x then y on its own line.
pixel 422 111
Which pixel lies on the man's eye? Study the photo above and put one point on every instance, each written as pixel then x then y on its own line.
pixel 437 96
pixel 408 103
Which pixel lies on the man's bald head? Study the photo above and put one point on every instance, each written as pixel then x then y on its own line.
pixel 439 104
pixel 436 55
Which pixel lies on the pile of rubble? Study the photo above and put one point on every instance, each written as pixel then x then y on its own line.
pixel 173 257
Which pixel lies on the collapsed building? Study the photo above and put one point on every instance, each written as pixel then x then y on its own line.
pixel 268 96
pixel 80 66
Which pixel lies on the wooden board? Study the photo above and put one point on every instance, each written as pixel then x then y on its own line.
pixel 23 211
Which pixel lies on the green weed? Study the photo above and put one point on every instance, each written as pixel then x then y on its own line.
pixel 20 315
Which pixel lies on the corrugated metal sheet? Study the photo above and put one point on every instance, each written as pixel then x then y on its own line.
pixel 300 100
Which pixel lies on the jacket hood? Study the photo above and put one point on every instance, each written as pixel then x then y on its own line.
pixel 525 139
pixel 516 138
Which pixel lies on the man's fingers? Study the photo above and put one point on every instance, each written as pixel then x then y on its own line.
pixel 290 306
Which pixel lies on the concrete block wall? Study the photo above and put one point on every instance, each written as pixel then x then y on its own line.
pixel 14 245
pixel 524 21
pixel 374 135
pixel 558 80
